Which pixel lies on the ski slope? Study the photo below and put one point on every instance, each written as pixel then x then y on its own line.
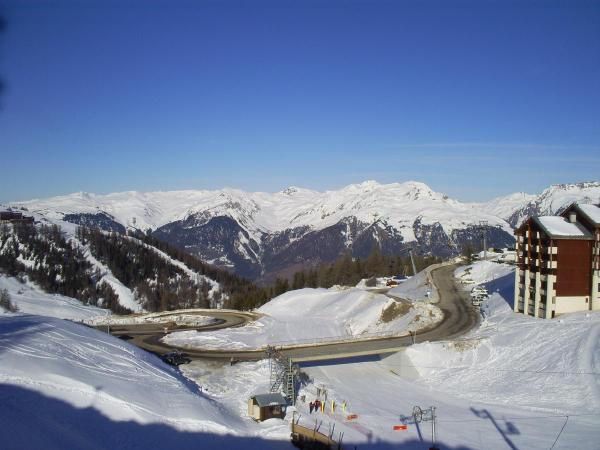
pixel 30 299
pixel 63 385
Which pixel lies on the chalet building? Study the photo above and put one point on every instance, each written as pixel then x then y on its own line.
pixel 14 217
pixel 267 406
pixel 558 263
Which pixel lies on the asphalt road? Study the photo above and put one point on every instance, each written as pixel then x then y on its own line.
pixel 459 317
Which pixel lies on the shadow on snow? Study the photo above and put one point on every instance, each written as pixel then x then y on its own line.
pixel 34 421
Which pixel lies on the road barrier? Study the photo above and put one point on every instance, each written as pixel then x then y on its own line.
pixel 339 339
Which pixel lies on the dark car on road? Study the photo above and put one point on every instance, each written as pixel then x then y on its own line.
pixel 176 358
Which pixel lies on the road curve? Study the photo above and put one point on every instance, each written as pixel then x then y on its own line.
pixel 459 317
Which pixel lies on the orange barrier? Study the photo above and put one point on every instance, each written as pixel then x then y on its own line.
pixel 400 427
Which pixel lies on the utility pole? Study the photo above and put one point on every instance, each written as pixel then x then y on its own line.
pixel 483 224
pixel 412 260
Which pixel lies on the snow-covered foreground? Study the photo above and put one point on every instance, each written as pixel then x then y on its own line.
pixel 63 385
pixel 30 299
pixel 515 382
pixel 512 383
pixel 310 315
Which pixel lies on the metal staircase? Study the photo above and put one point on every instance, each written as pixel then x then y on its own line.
pixel 283 372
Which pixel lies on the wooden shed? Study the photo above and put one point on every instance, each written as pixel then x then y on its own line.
pixel 267 406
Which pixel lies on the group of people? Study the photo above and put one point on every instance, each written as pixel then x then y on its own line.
pixel 319 405
pixel 316 406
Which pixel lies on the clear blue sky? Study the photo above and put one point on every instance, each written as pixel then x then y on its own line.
pixel 476 99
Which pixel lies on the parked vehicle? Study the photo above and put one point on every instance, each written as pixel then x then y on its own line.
pixel 176 358
pixel 478 295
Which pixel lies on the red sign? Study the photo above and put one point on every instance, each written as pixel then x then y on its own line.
pixel 400 427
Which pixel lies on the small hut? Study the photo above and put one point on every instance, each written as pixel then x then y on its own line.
pixel 267 406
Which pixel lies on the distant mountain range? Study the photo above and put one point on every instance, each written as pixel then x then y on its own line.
pixel 260 235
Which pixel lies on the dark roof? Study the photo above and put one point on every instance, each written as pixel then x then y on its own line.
pixel 270 399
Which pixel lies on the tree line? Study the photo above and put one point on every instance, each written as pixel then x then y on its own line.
pixel 55 264
pixel 348 271
pixel 59 265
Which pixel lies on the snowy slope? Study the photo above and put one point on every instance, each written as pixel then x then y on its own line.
pixel 64 385
pixel 310 315
pixel 517 207
pixel 504 207
pixel 30 299
pixel 514 382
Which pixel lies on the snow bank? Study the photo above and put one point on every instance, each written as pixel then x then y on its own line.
pixel 179 318
pixel 482 272
pixel 413 289
pixel 306 316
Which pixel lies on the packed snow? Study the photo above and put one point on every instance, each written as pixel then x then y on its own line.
pixel 311 315
pixel 30 299
pixel 63 385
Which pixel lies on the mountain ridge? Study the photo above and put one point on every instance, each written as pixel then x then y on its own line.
pixel 259 234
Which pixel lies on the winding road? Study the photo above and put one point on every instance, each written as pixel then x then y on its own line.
pixel 459 317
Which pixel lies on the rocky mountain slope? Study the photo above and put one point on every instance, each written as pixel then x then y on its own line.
pixel 515 208
pixel 260 235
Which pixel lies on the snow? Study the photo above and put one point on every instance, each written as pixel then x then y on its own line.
pixel 558 226
pixel 414 289
pixel 483 272
pixel 504 207
pixel 398 204
pixel 195 276
pixel 311 315
pixel 180 318
pixel 30 299
pixel 63 385
pixel 592 211
pixel 513 382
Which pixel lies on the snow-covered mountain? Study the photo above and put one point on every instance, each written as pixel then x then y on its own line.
pixel 515 208
pixel 260 234
pixel 258 212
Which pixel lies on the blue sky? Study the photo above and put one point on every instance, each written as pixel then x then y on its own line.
pixel 476 99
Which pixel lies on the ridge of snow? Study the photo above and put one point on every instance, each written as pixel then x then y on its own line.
pixel 397 204
pixel 505 206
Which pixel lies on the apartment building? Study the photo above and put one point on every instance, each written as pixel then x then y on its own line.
pixel 558 263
